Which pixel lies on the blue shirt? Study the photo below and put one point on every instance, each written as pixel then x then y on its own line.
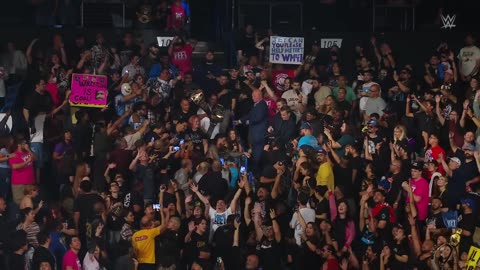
pixel 308 140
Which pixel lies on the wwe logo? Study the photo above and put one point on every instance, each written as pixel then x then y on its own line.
pixel 448 21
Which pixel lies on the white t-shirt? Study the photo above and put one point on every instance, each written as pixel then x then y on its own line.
pixel 308 215
pixel 37 137
pixel 131 139
pixel 307 87
pixel 218 219
pixel 321 95
pixel 292 98
pixel 468 56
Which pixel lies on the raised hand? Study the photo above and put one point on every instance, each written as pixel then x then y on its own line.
pixel 194 187
pixel 272 214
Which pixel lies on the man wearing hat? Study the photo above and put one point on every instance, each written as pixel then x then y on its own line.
pixel 418 191
pixel 469 167
pixel 456 181
pixel 307 137
pixel 373 138
pixel 466 222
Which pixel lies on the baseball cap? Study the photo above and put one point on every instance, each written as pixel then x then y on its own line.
pixel 373 122
pixel 322 151
pixel 306 126
pixel 468 201
pixel 417 166
pixel 434 162
pixel 469 147
pixel 456 160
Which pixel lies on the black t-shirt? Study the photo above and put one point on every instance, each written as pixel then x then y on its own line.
pixel 17 261
pixel 310 259
pixel 467 223
pixel 344 105
pixel 384 234
pixel 197 138
pixel 456 188
pixel 343 178
pixel 180 115
pixel 167 248
pixel 40 255
pixel 198 243
pixel 39 103
pixel 226 100
pixel 247 45
pixel 269 252
pixel 84 204
pixel 400 250
pixel 321 207
pixel 436 219
pixel 125 53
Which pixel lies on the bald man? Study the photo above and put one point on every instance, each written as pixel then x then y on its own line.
pixel 257 120
pixel 143 241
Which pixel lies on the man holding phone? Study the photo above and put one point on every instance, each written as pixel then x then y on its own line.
pixel 143 241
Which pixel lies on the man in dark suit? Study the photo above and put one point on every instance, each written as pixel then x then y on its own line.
pixel 257 119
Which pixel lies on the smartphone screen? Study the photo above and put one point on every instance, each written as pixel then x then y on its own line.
pixel 222 160
pixel 182 141
pixel 242 170
pixel 176 148
pixel 156 206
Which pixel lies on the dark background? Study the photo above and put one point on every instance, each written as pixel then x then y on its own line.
pixel 212 21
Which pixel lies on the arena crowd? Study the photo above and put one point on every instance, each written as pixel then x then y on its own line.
pixel 254 166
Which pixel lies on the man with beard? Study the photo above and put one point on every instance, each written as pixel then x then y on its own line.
pixel 164 63
pixel 403 87
pixel 295 99
pixel 384 214
pixel 207 72
pixel 435 224
pixel 152 58
pixel 468 165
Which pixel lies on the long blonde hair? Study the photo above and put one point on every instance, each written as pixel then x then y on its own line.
pixel 81 173
pixel 403 131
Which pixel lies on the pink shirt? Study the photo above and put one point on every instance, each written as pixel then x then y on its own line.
pixel 177 19
pixel 182 58
pixel 25 175
pixel 420 188
pixel 71 259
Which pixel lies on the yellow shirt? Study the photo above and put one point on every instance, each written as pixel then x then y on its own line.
pixel 325 176
pixel 143 243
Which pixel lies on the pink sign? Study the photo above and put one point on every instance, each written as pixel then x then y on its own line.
pixel 89 90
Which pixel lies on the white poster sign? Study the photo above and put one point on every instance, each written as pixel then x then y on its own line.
pixel 327 43
pixel 286 50
pixel 164 41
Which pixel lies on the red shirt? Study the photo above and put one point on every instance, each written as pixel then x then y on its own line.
pixel 182 58
pixel 272 106
pixel 177 18
pixel 433 153
pixel 52 89
pixel 278 78
pixel 71 259
pixel 25 175
pixel 332 264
